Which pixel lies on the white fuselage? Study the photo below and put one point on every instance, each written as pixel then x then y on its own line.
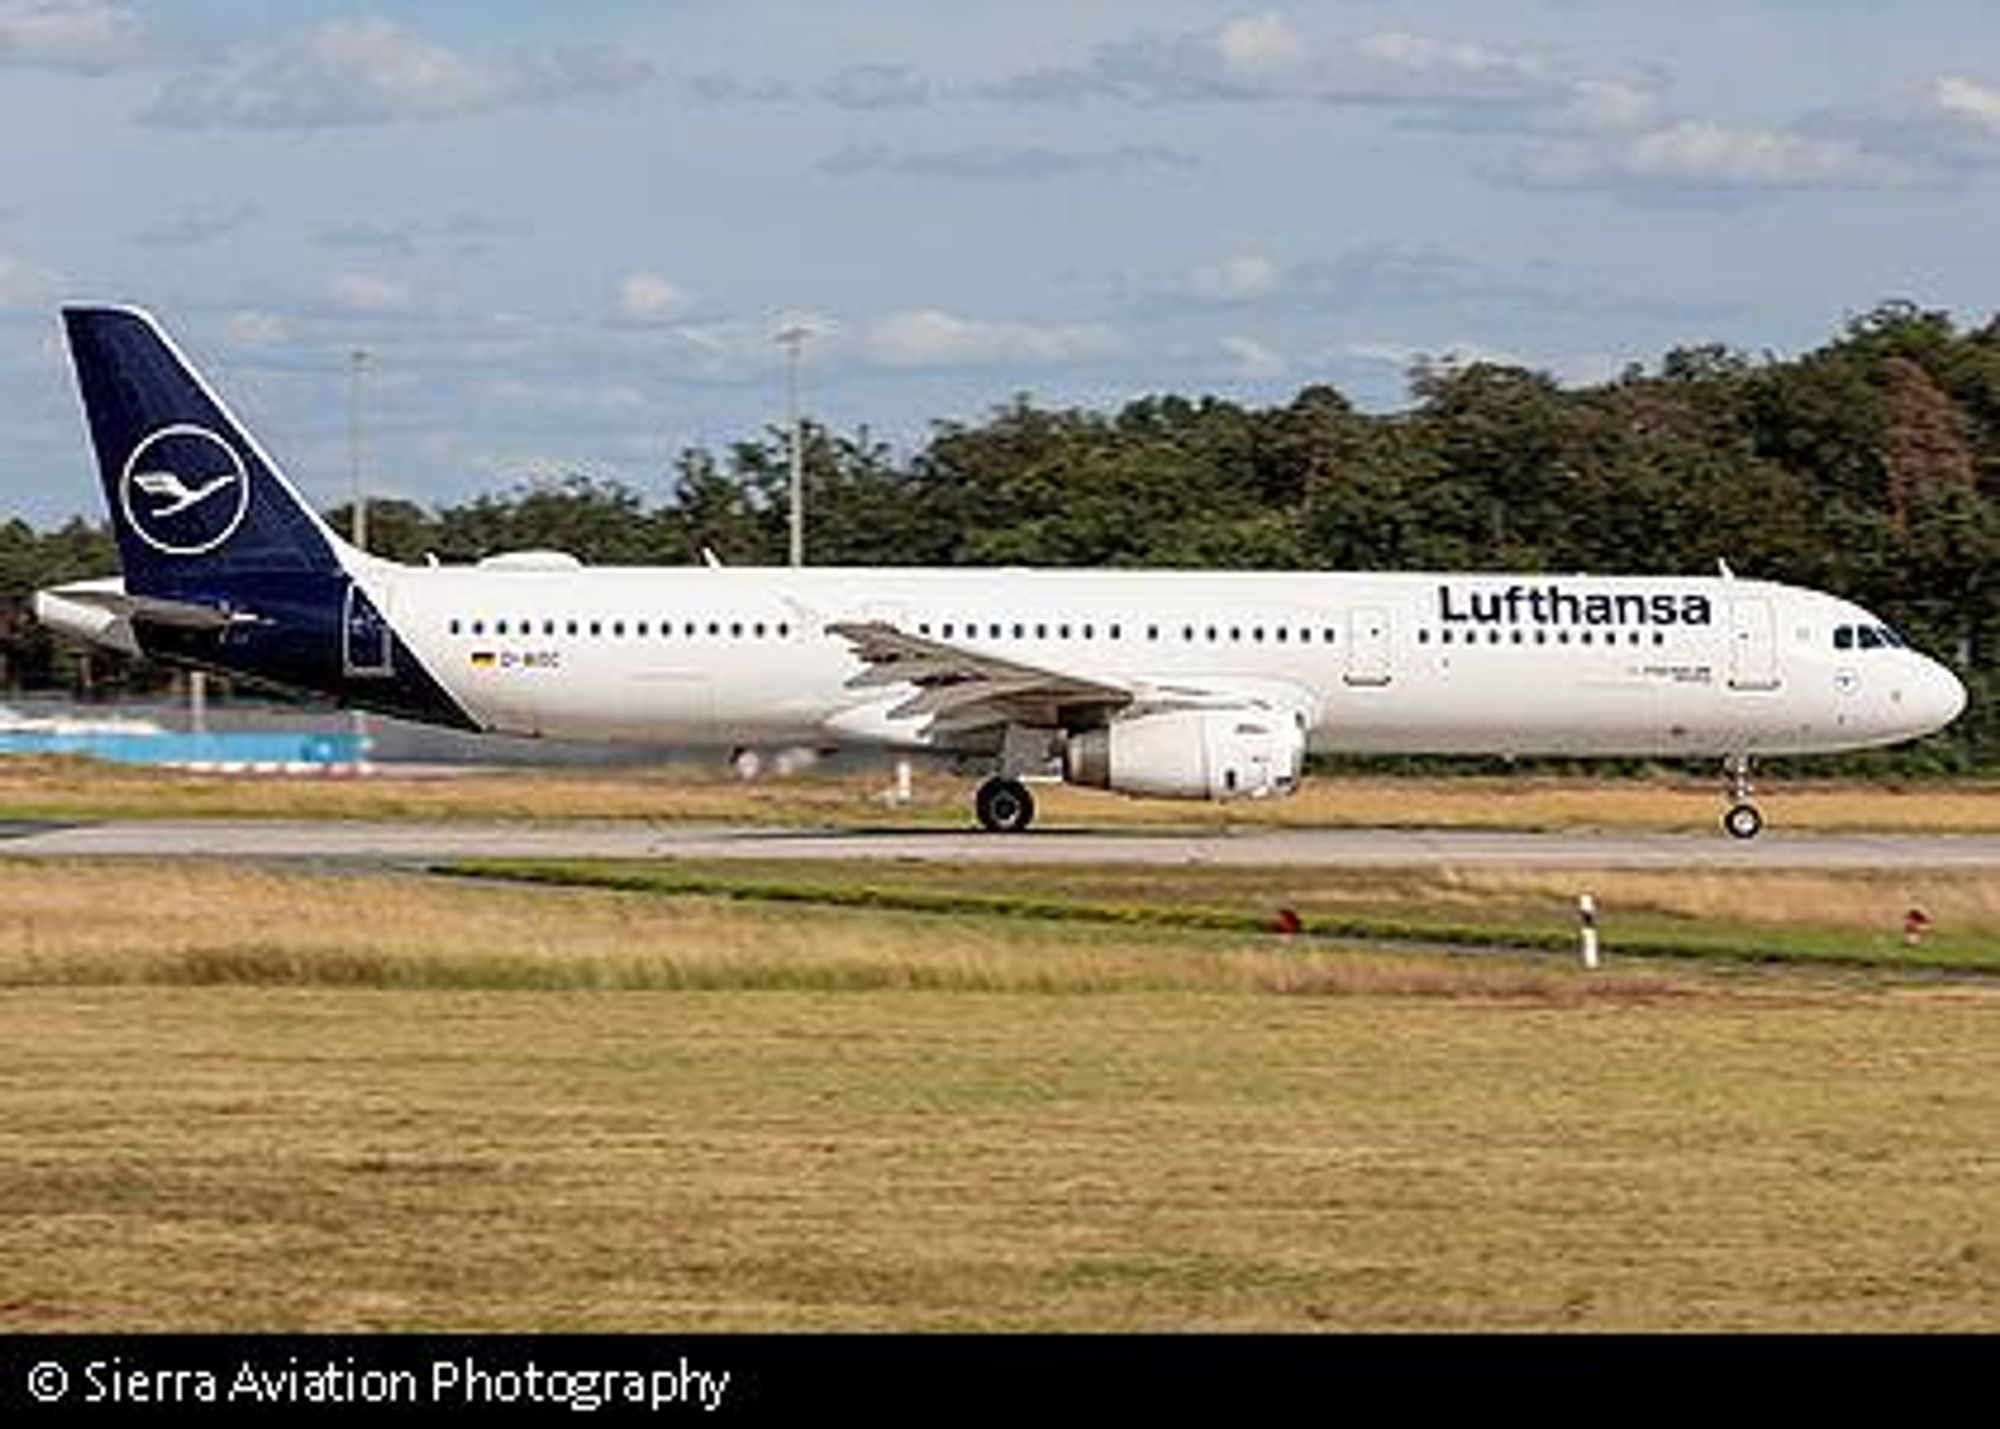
pixel 1410 663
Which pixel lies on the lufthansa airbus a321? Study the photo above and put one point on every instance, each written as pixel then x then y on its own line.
pixel 1169 684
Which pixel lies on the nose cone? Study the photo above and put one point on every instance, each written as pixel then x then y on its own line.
pixel 1939 697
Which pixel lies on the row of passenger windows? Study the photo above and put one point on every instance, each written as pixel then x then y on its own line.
pixel 1064 630
pixel 665 629
pixel 946 630
pixel 1561 636
pixel 1844 638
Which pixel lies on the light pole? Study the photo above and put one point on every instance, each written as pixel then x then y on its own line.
pixel 792 338
pixel 357 362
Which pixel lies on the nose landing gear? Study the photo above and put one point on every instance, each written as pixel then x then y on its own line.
pixel 1741 821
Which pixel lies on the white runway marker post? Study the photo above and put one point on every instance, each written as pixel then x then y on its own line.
pixel 1586 918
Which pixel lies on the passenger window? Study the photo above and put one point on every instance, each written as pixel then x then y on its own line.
pixel 478 627
pixel 454 627
pixel 499 627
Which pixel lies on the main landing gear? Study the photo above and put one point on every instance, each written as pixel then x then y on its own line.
pixel 1004 806
pixel 1742 821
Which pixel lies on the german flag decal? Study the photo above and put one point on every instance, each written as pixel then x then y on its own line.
pixel 484 659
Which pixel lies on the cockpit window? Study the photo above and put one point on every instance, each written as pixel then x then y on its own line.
pixel 1867 637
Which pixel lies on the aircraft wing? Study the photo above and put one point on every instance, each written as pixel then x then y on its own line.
pixel 964 690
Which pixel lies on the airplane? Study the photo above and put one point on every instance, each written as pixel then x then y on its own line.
pixel 1170 684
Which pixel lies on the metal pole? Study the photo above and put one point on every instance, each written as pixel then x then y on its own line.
pixel 358 364
pixel 793 338
pixel 358 369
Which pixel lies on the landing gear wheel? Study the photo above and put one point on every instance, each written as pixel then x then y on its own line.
pixel 1743 821
pixel 1004 806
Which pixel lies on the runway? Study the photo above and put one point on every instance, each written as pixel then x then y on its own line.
pixel 417 843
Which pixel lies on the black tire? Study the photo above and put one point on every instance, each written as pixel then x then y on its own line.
pixel 1742 821
pixel 1004 806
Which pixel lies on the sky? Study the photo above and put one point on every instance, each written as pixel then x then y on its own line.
pixel 567 236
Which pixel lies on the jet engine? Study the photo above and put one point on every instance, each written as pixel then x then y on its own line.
pixel 1191 754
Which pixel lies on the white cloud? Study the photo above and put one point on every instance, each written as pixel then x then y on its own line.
pixel 571 401
pixel 1265 58
pixel 1259 44
pixel 1254 361
pixel 1403 356
pixel 368 293
pixel 197 226
pixel 877 86
pixel 1003 163
pixel 929 337
pixel 370 70
pixel 24 285
pixel 1238 278
pixel 1421 54
pixel 648 297
pixel 254 328
pixel 1969 99
pixel 1607 106
pixel 69 34
pixel 1698 156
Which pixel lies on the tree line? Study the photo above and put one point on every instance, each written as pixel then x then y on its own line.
pixel 1869 467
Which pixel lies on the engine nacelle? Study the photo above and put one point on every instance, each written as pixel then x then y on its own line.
pixel 1191 754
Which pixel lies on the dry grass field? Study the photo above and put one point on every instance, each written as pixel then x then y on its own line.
pixel 263 1100
pixel 54 788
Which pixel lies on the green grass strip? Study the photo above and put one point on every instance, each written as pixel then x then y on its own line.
pixel 1816 946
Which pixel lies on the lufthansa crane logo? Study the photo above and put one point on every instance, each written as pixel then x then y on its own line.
pixel 184 490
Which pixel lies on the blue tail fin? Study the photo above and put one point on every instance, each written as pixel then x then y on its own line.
pixel 195 503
